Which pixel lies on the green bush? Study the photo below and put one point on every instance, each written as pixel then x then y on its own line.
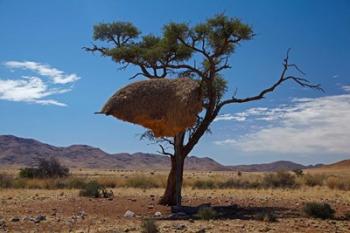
pixel 319 210
pixel 91 189
pixel 94 189
pixel 206 213
pixel 280 179
pixel 149 226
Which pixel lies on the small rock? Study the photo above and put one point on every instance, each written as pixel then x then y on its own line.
pixel 157 214
pixel 2 222
pixel 39 218
pixel 129 214
pixel 15 219
pixel 202 230
pixel 150 207
pixel 179 226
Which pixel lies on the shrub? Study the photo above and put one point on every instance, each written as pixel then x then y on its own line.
pixel 313 180
pixel 206 213
pixel 91 189
pixel 333 182
pixel 149 226
pixel 319 210
pixel 46 168
pixel 266 217
pixel 298 172
pixel 6 181
pixel 280 179
pixel 96 190
pixel 347 215
pixel 141 182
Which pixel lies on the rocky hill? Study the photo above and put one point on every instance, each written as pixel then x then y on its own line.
pixel 23 152
pixel 18 151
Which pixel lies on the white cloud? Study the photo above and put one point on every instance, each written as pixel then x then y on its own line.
pixel 346 88
pixel 307 126
pixel 228 117
pixel 57 76
pixel 29 89
pixel 34 89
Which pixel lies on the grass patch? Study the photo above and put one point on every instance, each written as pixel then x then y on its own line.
pixel 142 182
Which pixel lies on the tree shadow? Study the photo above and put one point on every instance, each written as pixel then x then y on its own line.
pixel 234 212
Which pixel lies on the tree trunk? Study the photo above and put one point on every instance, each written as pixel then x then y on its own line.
pixel 172 194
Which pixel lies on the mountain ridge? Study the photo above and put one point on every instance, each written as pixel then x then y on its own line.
pixel 17 151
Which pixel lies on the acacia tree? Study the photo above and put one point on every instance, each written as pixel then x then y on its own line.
pixel 200 52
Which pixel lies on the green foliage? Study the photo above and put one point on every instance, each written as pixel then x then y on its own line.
pixel 280 179
pixel 149 226
pixel 214 38
pixel 46 168
pixel 206 213
pixel 119 32
pixel 319 210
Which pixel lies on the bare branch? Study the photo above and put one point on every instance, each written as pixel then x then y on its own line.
pixel 134 76
pixel 163 151
pixel 301 81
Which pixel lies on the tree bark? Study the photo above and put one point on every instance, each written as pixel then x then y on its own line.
pixel 172 194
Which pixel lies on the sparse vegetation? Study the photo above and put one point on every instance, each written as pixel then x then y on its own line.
pixel 298 172
pixel 340 183
pixel 319 210
pixel 206 213
pixel 313 180
pixel 281 179
pixel 149 226
pixel 142 182
pixel 46 168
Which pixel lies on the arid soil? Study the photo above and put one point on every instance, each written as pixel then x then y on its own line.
pixel 65 211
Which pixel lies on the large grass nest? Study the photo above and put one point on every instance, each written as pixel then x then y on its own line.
pixel 166 106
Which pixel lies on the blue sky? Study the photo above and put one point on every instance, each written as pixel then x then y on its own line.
pixel 50 87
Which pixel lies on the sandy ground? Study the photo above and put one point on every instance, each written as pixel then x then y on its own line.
pixel 65 211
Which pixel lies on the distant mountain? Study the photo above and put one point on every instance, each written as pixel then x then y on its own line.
pixel 271 167
pixel 23 152
pixel 341 165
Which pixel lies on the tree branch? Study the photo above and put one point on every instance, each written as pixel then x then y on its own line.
pixel 163 151
pixel 301 81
